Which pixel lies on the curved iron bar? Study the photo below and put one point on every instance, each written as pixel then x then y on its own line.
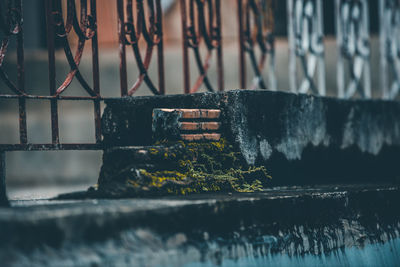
pixel 148 34
pixel 305 30
pixel 196 38
pixel 85 30
pixel 389 11
pixel 301 51
pixel 152 36
pixel 10 25
pixel 260 33
pixel 210 38
pixel 3 74
pixel 194 32
pixel 354 48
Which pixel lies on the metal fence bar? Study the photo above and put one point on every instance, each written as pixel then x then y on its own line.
pixel 256 30
pixel 242 58
pixel 218 32
pixel 21 77
pixel 149 28
pixel 389 13
pixel 185 50
pixel 52 71
pixel 160 50
pixel 198 30
pixel 96 74
pixel 352 23
pixel 122 50
pixel 305 33
pixel 11 25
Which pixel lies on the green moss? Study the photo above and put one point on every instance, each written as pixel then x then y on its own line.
pixel 200 167
pixel 154 151
pixel 174 182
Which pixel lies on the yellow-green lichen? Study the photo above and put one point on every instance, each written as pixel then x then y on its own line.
pixel 193 181
pixel 154 151
pixel 182 168
pixel 201 167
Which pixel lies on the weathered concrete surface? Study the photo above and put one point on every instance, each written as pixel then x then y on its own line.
pixel 322 224
pixel 301 139
pixel 178 168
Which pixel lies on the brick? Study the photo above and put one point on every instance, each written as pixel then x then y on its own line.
pixel 195 113
pixel 199 137
pixel 190 126
pixel 210 125
pixel 167 124
pixel 210 113
pixel 194 126
pixel 192 137
pixel 200 113
pixel 190 113
pixel 212 136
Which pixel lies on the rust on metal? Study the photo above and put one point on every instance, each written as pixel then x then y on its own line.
pixel 201 24
pixel 59 25
pixel 256 30
pixel 146 27
pixel 140 27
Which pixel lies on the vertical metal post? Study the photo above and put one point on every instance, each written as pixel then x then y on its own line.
pixel 367 66
pixel 340 60
pixel 186 70
pixel 389 37
pixel 3 193
pixel 160 50
pixel 96 75
pixel 306 46
pixel 292 48
pixel 52 71
pixel 321 59
pixel 242 59
pixel 220 62
pixel 21 80
pixel 352 25
pixel 122 50
pixel 383 25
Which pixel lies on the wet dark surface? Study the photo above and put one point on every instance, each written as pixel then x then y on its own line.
pixel 326 225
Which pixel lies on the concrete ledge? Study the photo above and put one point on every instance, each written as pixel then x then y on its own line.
pixel 301 139
pixel 290 223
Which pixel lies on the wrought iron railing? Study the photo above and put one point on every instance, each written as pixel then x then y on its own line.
pixel 140 28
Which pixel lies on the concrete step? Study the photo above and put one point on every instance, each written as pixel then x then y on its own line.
pixel 308 226
pixel 300 139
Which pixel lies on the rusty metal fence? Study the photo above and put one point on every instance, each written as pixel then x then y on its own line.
pixel 140 28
